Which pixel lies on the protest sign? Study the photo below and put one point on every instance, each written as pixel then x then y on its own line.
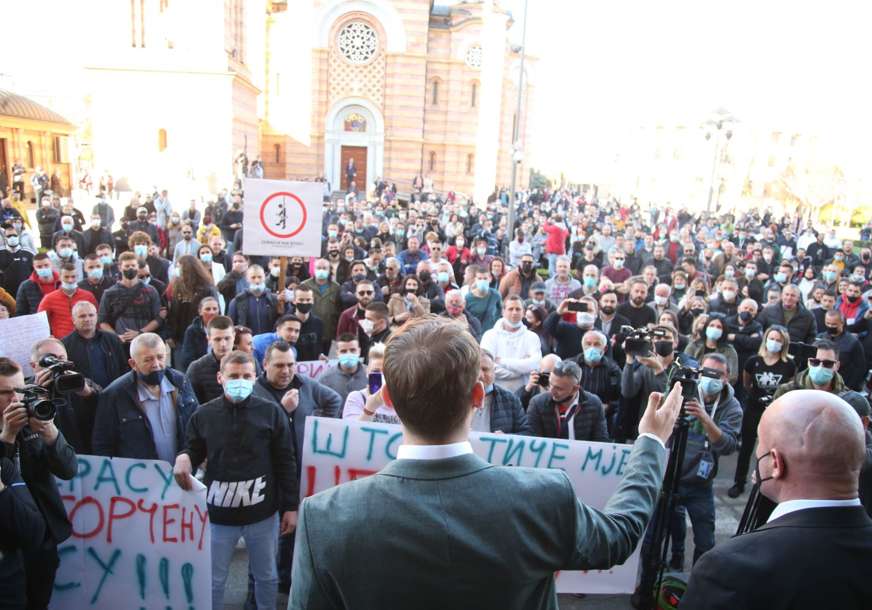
pixel 336 451
pixel 139 541
pixel 18 334
pixel 282 217
pixel 314 369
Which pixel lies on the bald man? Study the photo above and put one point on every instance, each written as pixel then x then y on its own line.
pixel 815 551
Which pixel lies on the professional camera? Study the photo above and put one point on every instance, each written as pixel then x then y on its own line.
pixel 640 341
pixel 39 402
pixel 689 378
pixel 544 379
pixel 63 378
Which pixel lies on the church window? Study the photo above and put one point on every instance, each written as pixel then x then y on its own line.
pixel 434 97
pixel 473 95
pixel 355 122
pixel 432 161
pixel 473 56
pixel 358 42
pixel 278 152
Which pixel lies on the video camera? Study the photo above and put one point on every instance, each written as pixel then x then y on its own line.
pixel 42 402
pixel 689 378
pixel 640 341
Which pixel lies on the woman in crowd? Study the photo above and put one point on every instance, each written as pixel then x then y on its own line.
pixel 195 343
pixel 497 270
pixel 191 285
pixel 409 304
pixel 713 339
pixel 215 271
pixel 363 405
pixel 534 320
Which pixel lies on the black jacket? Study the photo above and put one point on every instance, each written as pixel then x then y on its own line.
pixel 40 464
pixel 111 346
pixel 828 551
pixel 122 429
pixel 15 267
pixel 748 338
pixel 22 529
pixel 589 423
pixel 202 373
pixel 194 344
pixel 802 326
pixel 250 452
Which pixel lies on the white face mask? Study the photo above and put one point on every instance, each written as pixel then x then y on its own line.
pixel 584 319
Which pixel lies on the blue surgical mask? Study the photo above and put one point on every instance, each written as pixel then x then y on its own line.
pixel 238 390
pixel 65 252
pixel 830 276
pixel 45 273
pixel 713 333
pixel 442 277
pixel 349 360
pixel 141 250
pixel 206 257
pixel 593 355
pixel 589 282
pixel 780 277
pixel 96 274
pixel 321 274
pixel 489 388
pixel 820 375
pixel 710 386
pixel 773 346
pixel 332 233
pixel 67 227
pixel 69 287
pixel 257 288
pixel 482 285
pixel 106 259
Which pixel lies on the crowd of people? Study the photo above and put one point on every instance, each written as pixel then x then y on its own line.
pixel 174 326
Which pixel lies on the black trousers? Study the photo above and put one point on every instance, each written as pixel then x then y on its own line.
pixel 750 420
pixel 40 567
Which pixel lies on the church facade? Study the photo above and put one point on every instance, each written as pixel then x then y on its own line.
pixel 402 87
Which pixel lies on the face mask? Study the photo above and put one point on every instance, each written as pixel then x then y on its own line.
pixel 780 277
pixel 304 307
pixel 527 267
pixel 481 251
pixel 820 375
pixel 129 274
pixel 538 302
pixel 443 277
pixel 274 271
pixel 206 258
pixel 349 258
pixel 713 333
pixel 366 325
pixel 660 300
pixel 106 259
pixel 830 276
pixel 750 273
pixel 489 388
pixel 856 277
pixel 96 223
pixel 12 241
pixel 349 360
pixel 729 273
pixel 332 234
pixel 140 250
pixel 853 299
pixel 424 276
pixel 321 274
pixel 153 378
pixel 839 257
pixel 69 287
pixel 96 274
pixel 589 282
pixel 358 277
pixel 585 319
pixel 65 252
pixel 619 264
pixel 593 355
pixel 482 285
pixel 833 330
pixel 663 348
pixel 729 295
pixel 697 311
pixel 146 280
pixel 710 386
pixel 257 289
pixel 237 390
pixel 67 227
pixel 454 311
pixel 744 316
pixel 607 309
pixel 679 286
pixel 773 346
pixel 513 325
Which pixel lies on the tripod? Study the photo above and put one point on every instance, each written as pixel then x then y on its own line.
pixel 654 560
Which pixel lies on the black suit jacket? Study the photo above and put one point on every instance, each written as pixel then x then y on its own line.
pixel 809 559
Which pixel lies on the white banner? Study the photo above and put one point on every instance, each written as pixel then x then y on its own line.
pixel 336 451
pixel 314 369
pixel 139 541
pixel 282 218
pixel 18 334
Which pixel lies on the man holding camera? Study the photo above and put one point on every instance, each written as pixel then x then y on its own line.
pixel 42 453
pixel 538 380
pixel 566 410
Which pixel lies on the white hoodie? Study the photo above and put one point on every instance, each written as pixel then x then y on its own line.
pixel 518 352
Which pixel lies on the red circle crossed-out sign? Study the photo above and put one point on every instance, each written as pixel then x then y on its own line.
pixel 273 203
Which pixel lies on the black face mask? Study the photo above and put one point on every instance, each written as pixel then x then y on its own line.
pixel 411 290
pixel 129 274
pixel 357 277
pixel 607 309
pixel 527 267
pixel 304 307
pixel 833 330
pixel 697 311
pixel 760 479
pixel 332 253
pixel 744 316
pixel 153 378
pixel 424 276
pixel 663 348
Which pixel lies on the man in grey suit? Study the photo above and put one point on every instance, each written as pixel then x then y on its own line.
pixel 440 527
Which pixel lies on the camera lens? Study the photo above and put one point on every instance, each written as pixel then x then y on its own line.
pixel 43 410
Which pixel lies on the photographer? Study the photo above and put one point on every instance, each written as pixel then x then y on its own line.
pixel 566 410
pixel 22 530
pixel 538 380
pixel 567 335
pixel 43 453
pixel 75 410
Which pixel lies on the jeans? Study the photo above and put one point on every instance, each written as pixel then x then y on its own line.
pixel 260 541
pixel 751 418
pixel 552 264
pixel 284 561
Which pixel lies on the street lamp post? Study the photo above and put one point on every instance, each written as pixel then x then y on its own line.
pixel 517 155
pixel 723 119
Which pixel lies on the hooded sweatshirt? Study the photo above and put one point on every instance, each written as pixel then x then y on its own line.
pixel 251 470
pixel 728 417
pixel 519 353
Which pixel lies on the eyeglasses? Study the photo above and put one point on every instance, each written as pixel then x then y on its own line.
pixel 363 293
pixel 827 364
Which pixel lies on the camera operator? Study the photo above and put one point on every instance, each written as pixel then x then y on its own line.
pixel 43 453
pixel 538 380
pixel 567 335
pixel 76 410
pixel 645 374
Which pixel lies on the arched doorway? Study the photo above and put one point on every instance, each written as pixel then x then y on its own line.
pixel 355 130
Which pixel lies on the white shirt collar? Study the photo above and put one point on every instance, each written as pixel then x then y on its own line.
pixel 791 506
pixel 433 452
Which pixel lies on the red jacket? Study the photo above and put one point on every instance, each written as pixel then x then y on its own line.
pixel 556 242
pixel 348 321
pixel 59 308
